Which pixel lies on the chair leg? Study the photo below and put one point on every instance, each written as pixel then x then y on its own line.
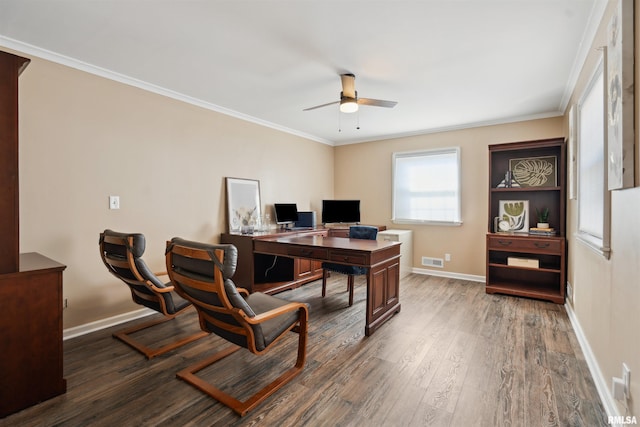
pixel 325 274
pixel 149 352
pixel 241 408
pixel 350 282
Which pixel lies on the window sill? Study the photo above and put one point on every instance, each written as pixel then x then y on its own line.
pixel 418 222
pixel 593 243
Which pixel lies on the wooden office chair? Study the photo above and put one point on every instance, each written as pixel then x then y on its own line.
pixel 121 254
pixel 355 232
pixel 202 274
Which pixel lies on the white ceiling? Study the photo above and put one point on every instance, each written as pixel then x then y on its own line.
pixel 449 63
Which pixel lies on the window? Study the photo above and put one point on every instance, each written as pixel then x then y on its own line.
pixel 426 186
pixel 593 197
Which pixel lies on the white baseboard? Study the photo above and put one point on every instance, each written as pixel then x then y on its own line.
pixel 452 275
pixel 105 323
pixel 602 385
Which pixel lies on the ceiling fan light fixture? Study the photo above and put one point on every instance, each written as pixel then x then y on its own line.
pixel 348 105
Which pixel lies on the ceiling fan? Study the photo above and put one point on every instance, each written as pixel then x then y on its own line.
pixel 349 100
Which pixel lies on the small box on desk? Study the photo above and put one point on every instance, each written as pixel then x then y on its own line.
pixel 523 262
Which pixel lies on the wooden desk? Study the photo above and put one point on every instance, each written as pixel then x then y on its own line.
pixel 382 258
pixel 269 274
pixel 258 272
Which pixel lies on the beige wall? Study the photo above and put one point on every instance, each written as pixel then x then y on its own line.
pixel 607 292
pixel 83 138
pixel 364 171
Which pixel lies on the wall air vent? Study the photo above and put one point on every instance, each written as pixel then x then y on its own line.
pixel 432 262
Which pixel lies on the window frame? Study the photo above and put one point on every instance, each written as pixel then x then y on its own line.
pixel 601 245
pixel 426 153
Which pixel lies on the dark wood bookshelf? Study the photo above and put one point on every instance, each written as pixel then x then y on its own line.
pixel 548 281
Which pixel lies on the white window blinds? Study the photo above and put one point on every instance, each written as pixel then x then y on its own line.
pixel 426 186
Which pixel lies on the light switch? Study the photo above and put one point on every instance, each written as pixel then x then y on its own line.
pixel 114 202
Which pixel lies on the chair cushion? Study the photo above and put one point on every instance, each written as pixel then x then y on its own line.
pixel 205 268
pixel 139 243
pixel 268 331
pixel 344 269
pixel 236 299
pixel 173 302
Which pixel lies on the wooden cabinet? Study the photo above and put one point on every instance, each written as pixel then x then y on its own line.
pixel 307 269
pixel 545 281
pixel 31 333
pixel 31 368
pixel 268 273
pixel 519 262
pixel 10 68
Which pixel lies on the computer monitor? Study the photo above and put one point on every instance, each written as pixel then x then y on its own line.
pixel 286 213
pixel 340 211
pixel 306 219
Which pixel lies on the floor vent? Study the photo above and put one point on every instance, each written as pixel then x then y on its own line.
pixel 432 262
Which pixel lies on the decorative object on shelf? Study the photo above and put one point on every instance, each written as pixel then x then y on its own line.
pixel 515 213
pixel 535 171
pixel 508 181
pixel 543 218
pixel 620 85
pixel 243 204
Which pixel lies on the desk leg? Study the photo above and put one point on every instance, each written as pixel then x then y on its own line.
pixel 383 294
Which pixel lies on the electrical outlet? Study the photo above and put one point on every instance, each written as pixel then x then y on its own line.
pixel 617 387
pixel 447 257
pixel 626 379
pixel 621 387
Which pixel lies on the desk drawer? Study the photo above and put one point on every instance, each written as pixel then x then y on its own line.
pixel 348 257
pixel 507 243
pixel 315 253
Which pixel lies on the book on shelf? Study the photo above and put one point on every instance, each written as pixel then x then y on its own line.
pixel 523 262
pixel 542 231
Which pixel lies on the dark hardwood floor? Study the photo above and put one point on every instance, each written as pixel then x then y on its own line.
pixel 454 356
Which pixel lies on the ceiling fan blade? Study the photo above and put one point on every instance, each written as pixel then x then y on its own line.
pixel 377 102
pixel 320 106
pixel 348 85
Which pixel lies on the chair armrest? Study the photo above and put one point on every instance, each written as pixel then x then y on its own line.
pixel 161 290
pixel 292 306
pixel 243 291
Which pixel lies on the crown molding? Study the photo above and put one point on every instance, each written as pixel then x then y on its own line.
pixel 463 126
pixel 130 81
